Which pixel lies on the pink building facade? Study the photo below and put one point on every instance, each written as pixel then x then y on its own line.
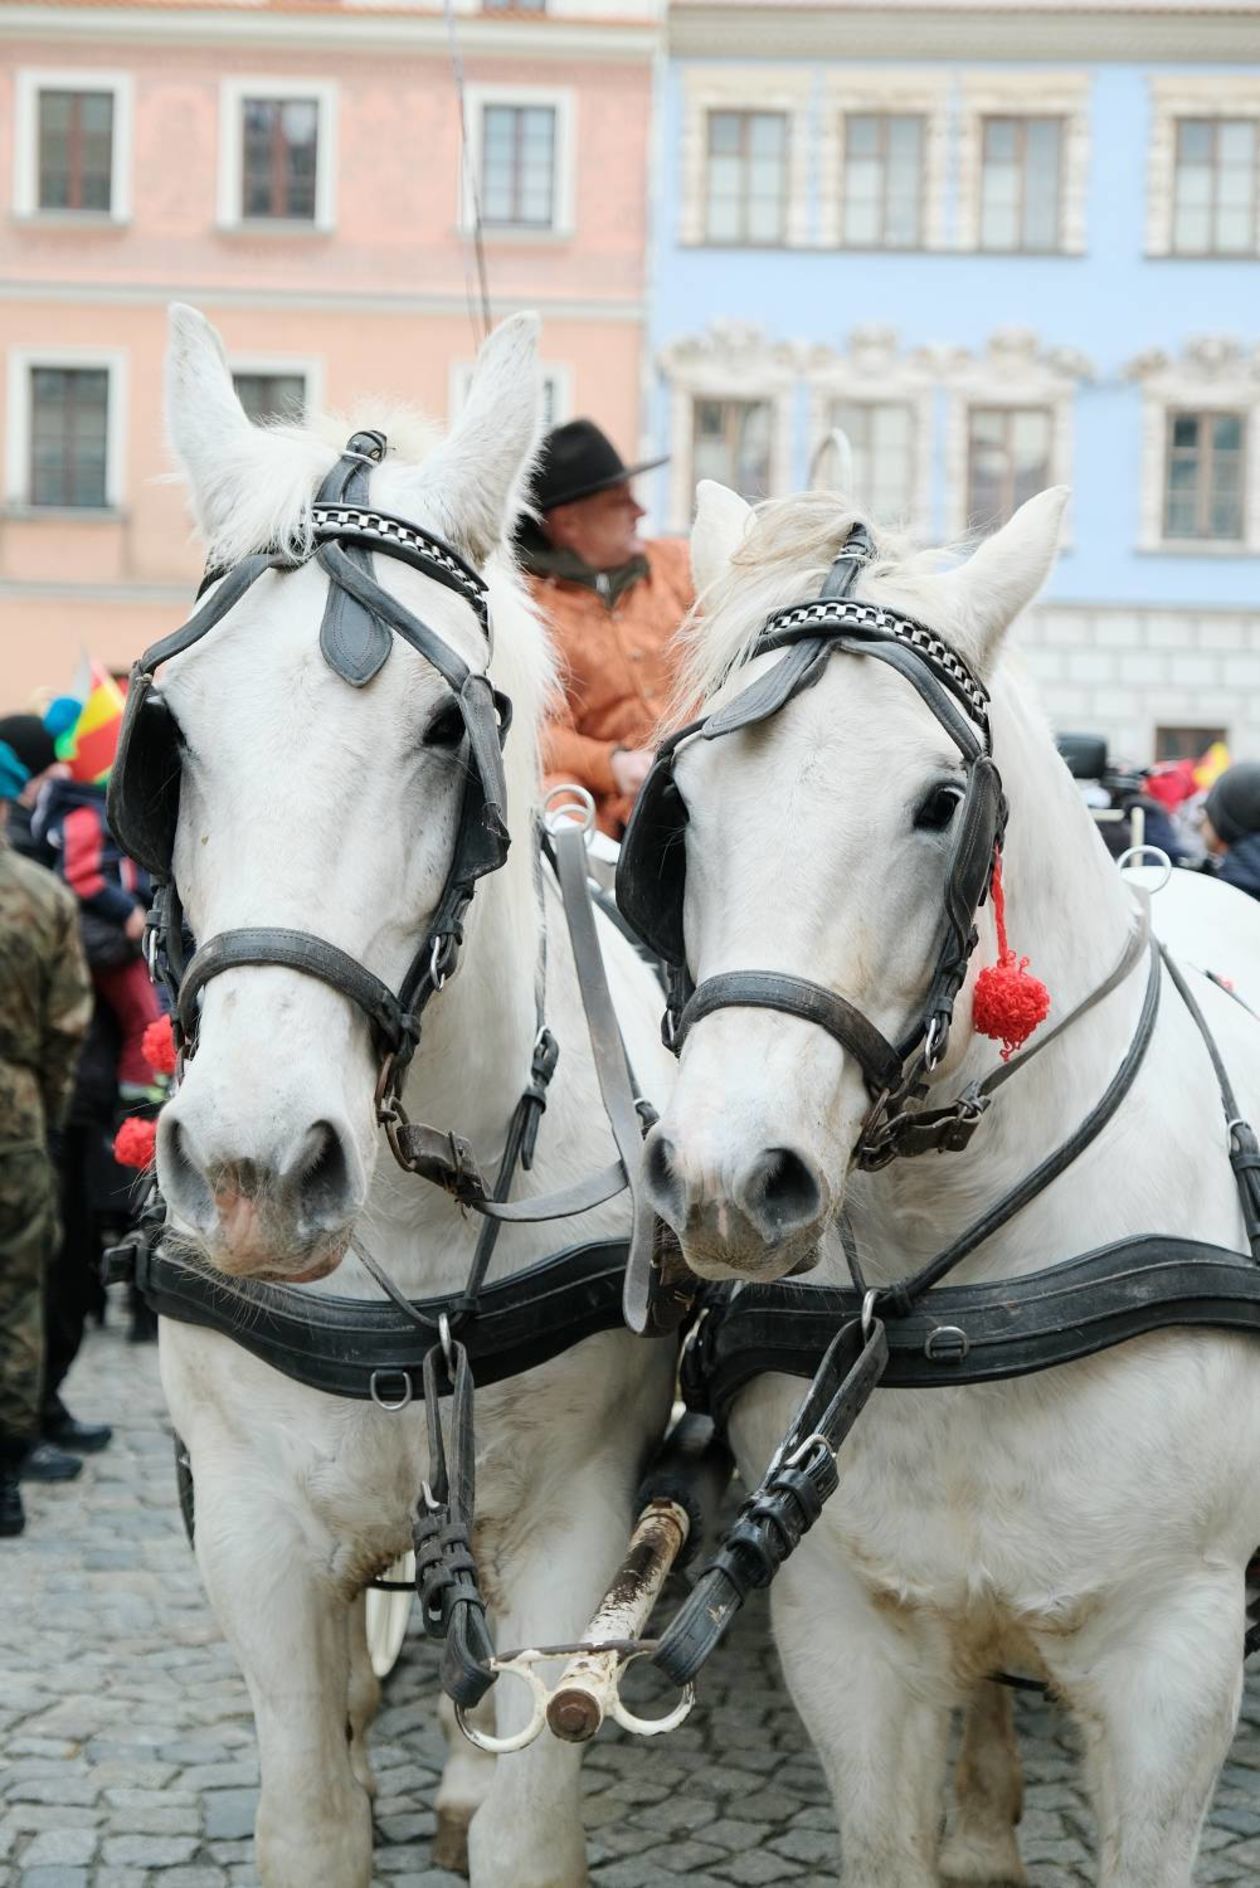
pixel 296 172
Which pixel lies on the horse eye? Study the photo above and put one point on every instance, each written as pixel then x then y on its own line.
pixel 446 728
pixel 938 809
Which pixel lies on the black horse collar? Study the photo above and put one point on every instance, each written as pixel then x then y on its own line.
pixel 651 876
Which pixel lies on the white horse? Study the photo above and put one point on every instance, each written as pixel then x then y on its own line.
pixel 309 803
pixel 1091 1524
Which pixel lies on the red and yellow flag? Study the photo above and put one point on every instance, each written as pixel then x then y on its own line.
pixel 90 745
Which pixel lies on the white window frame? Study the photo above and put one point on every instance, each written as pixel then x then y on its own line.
pixel 309 366
pixel 562 100
pixel 558 373
pixel 18 428
pixel 730 361
pixel 873 92
pixel 1188 95
pixel 31 81
pixel 1049 94
pixel 1015 370
pixel 726 88
pixel 873 371
pixel 232 95
pixel 1212 375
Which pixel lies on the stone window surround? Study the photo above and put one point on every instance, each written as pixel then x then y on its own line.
pixel 731 360
pixel 726 88
pixel 872 370
pixel 1187 95
pixel 31 81
pixel 877 92
pixel 558 373
pixel 563 102
pixel 1014 370
pixel 310 367
pixel 1034 94
pixel 1213 374
pixel 22 360
pixel 232 95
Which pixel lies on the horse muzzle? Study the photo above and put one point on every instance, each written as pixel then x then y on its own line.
pixel 761 1217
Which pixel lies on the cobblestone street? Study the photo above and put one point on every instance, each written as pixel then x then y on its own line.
pixel 127 1753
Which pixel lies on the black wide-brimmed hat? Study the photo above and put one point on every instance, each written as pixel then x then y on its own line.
pixel 576 461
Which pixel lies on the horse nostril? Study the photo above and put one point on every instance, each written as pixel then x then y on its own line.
pixel 781 1194
pixel 322 1176
pixel 663 1186
pixel 183 1182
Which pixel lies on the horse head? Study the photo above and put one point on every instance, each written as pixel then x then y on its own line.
pixel 820 841
pixel 316 802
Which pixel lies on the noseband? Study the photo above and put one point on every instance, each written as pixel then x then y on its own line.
pixel 651 878
pixel 360 622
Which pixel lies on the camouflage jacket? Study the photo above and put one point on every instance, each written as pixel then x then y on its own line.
pixel 45 1000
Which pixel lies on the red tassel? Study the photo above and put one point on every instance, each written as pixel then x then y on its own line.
pixel 135 1142
pixel 158 1046
pixel 1007 1003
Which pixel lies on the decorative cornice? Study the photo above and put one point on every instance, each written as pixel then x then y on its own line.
pixel 1211 362
pixel 941 29
pixel 730 354
pixel 1013 358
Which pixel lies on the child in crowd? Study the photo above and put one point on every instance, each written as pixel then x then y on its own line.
pixel 113 894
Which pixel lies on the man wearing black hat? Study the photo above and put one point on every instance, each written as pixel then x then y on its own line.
pixel 613 604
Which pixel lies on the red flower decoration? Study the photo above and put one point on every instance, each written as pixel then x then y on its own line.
pixel 158 1046
pixel 1007 1003
pixel 135 1142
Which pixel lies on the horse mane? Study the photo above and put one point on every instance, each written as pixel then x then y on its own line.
pixel 790 545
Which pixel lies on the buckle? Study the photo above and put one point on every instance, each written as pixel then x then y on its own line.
pixel 946 1344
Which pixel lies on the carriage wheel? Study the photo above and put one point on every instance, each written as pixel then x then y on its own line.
pixel 388 1613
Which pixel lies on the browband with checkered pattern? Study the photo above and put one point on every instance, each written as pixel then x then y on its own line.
pixel 828 616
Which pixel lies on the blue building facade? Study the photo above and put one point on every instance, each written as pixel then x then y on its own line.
pixel 999 249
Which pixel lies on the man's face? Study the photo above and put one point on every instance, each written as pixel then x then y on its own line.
pixel 602 530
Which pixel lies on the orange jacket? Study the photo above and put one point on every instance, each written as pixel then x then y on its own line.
pixel 616 670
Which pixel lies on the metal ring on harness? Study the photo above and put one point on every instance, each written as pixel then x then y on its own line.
pixel 382 1401
pixel 1133 856
pixel 569 805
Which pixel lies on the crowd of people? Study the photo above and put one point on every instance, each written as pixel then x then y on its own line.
pixel 75 996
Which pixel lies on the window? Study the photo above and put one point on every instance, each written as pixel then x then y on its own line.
pixel 731 442
pixel 1203 476
pixel 69 437
pixel 271 396
pixel 1215 187
pixel 277 162
pixel 1021 169
pixel 746 177
pixel 881 434
pixel 1009 451
pixel 76 150
pixel 1187 743
pixel 279 158
pixel 883 180
pixel 518 166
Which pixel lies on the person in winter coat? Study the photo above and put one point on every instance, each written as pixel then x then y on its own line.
pixel 45 1003
pixel 112 892
pixel 612 604
pixel 31 746
pixel 1231 821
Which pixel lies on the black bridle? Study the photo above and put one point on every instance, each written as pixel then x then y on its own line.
pixel 651 874
pixel 360 622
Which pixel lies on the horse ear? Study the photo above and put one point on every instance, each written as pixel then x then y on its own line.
pixel 1003 576
pixel 243 479
pixel 722 518
pixel 475 480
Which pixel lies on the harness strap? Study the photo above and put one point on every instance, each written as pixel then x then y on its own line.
pixel 1244 1150
pixel 352 638
pixel 451 1604
pixel 797 996
pixel 896 1299
pixel 292 950
pixel 786 1502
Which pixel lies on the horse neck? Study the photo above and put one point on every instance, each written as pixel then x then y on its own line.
pixel 1068 911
